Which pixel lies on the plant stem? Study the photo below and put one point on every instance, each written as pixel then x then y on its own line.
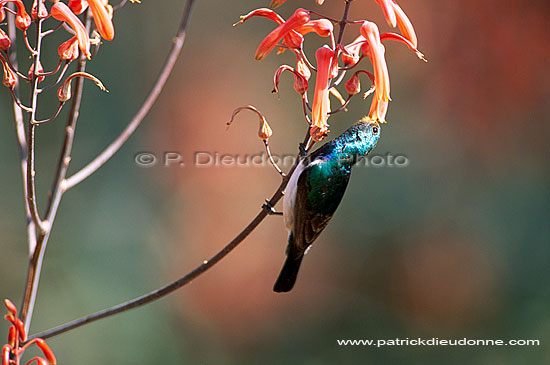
pixel 113 148
pixel 344 21
pixel 31 193
pixel 32 279
pixel 37 257
pixel 20 131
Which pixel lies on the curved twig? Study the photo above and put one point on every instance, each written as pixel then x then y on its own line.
pixel 113 148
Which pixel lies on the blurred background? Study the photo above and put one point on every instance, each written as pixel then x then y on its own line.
pixel 456 244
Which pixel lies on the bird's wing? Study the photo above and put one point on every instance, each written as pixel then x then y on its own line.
pixel 316 201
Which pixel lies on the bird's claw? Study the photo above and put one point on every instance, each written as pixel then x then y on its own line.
pixel 267 206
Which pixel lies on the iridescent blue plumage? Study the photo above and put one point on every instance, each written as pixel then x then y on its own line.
pixel 316 189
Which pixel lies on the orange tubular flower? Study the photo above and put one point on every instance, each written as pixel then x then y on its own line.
pixel 61 12
pixel 321 103
pixel 353 86
pixel 22 18
pixel 48 353
pixel 395 16
pixel 378 110
pixel 350 53
pixel 322 27
pixel 43 10
pixel 265 130
pixel 102 19
pixel 301 66
pixel 293 39
pixel 64 91
pixel 299 18
pixel 300 82
pixel 369 30
pixel 400 38
pixel 78 6
pixel 10 78
pixel 5 41
pixel 68 50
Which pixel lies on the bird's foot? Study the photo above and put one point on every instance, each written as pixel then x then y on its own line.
pixel 270 210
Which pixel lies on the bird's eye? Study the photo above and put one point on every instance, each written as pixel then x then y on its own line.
pixel 375 130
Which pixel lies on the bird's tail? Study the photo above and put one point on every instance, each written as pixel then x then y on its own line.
pixel 289 273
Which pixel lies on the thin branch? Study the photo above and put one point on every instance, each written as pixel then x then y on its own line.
pixel 37 258
pixel 31 196
pixel 120 5
pixel 38 122
pixel 9 58
pixel 20 131
pixel 56 82
pixel 305 108
pixel 344 21
pixel 18 102
pixel 342 107
pixel 51 72
pixel 32 279
pixel 268 151
pixel 27 44
pixel 185 279
pixel 338 80
pixel 113 148
pixel 57 27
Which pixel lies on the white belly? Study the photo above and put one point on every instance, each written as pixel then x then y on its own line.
pixel 290 197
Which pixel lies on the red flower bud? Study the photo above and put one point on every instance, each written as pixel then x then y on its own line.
pixel 300 82
pixel 5 41
pixel 102 19
pixel 43 10
pixel 12 336
pixel 48 353
pixel 21 329
pixel 265 130
pixel 9 305
pixel 40 71
pixel 6 351
pixel 61 12
pixel 353 86
pixel 322 27
pixel 39 361
pixel 78 6
pixel 64 91
pixel 299 18
pixel 22 19
pixel 68 50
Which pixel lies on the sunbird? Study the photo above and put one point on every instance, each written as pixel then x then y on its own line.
pixel 315 190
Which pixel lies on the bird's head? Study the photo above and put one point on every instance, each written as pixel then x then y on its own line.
pixel 368 133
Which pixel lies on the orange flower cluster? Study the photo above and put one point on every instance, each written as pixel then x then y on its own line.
pixel 79 44
pixel 13 351
pixel 289 34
